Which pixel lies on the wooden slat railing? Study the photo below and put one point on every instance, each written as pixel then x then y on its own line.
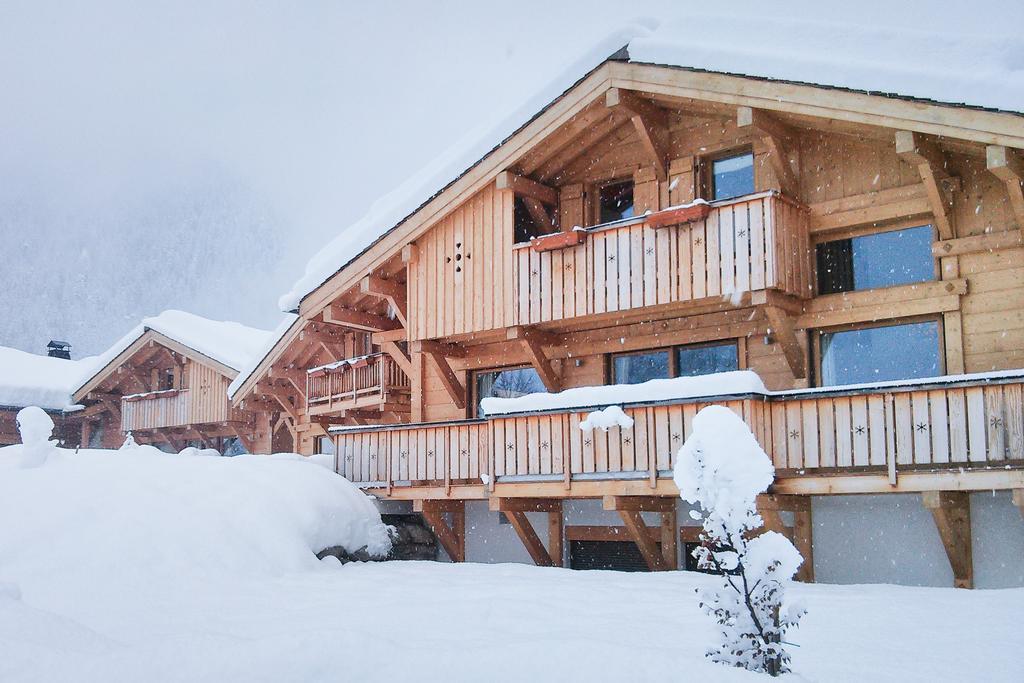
pixel 929 426
pixel 376 375
pixel 158 409
pixel 759 242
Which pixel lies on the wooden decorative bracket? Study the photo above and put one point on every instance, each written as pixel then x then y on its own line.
pixel 924 153
pixel 438 354
pixel 535 197
pixel 629 509
pixel 532 342
pixel 778 139
pixel 394 350
pixel 951 511
pixel 357 320
pixel 452 538
pixel 515 510
pixel 282 396
pixel 393 292
pixel 1007 165
pixel 783 327
pixel 651 124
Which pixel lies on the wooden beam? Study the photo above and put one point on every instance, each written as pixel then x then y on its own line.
pixel 527 188
pixel 951 511
pixel 648 547
pixel 556 530
pixel 524 504
pixel 783 327
pixel 777 138
pixel 393 292
pixel 531 344
pixel 448 378
pixel 988 242
pixel 871 208
pixel 651 124
pixel 924 153
pixel 529 537
pixel 440 348
pixel 389 335
pixel 539 215
pixel 670 539
pixel 399 356
pixel 282 396
pixel 1007 165
pixel 639 503
pixel 357 320
pixel 452 538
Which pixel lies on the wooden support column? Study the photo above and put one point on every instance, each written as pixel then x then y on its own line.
pixel 452 538
pixel 532 342
pixel 629 509
pixel 670 538
pixel 1008 166
pixel 515 510
pixel 951 511
pixel 924 153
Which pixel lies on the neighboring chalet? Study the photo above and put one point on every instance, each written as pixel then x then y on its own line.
pixel 28 379
pixel 166 382
pixel 861 253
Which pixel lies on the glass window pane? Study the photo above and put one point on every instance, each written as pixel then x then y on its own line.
pixel 704 360
pixel 507 384
pixel 885 259
pixel 877 354
pixel 733 176
pixel 616 201
pixel 635 368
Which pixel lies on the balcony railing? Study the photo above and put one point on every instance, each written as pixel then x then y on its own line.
pixel 758 242
pixel 952 425
pixel 368 382
pixel 155 409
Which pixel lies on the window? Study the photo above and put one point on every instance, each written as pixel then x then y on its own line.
pixel 528 223
pixel 165 379
pixel 615 201
pixel 706 359
pixel 634 368
pixel 877 354
pixel 683 361
pixel 324 445
pixel 506 383
pixel 732 176
pixel 884 259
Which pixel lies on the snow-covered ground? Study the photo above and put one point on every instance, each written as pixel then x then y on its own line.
pixel 130 565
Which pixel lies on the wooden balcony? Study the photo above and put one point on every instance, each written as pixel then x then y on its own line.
pixel 870 438
pixel 754 243
pixel 153 410
pixel 372 383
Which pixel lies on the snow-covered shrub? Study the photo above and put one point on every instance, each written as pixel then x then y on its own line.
pixel 722 468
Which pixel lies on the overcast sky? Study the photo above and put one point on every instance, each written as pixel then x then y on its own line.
pixel 193 155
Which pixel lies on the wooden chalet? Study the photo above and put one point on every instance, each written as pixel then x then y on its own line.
pixel 655 221
pixel 166 382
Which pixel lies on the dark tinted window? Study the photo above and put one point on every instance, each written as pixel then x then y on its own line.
pixel 877 354
pixel 635 368
pixel 529 223
pixel 885 259
pixel 732 176
pixel 506 384
pixel 704 360
pixel 616 201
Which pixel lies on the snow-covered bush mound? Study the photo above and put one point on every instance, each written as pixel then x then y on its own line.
pixel 102 520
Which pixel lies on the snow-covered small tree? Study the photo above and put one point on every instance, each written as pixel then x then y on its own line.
pixel 722 469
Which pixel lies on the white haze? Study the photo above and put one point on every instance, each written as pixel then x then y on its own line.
pixel 193 155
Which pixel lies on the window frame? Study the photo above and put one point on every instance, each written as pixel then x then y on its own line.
pixel 594 193
pixel 673 358
pixel 815 338
pixel 471 406
pixel 854 232
pixel 707 170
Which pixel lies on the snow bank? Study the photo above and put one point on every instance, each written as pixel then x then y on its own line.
pixel 89 525
pixel 230 343
pixel 718 384
pixel 28 379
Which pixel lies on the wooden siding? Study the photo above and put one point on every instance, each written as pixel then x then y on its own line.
pixel 461 279
pixel 951 426
pixel 338 388
pixel 208 389
pixel 159 409
pixel 757 243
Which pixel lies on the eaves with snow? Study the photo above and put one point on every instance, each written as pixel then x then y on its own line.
pixel 29 379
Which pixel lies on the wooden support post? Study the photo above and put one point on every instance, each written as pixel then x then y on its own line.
pixel 783 328
pixel 515 510
pixel 924 153
pixel 1008 166
pixel 670 539
pixel 556 529
pixel 803 539
pixel 403 361
pixel 951 511
pixel 448 378
pixel 529 537
pixel 452 538
pixel 638 532
pixel 801 533
pixel 532 341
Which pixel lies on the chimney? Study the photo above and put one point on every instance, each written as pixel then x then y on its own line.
pixel 58 349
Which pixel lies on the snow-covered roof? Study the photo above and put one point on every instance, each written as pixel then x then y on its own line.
pixel 229 343
pixel 249 367
pixel 947 68
pixel 29 379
